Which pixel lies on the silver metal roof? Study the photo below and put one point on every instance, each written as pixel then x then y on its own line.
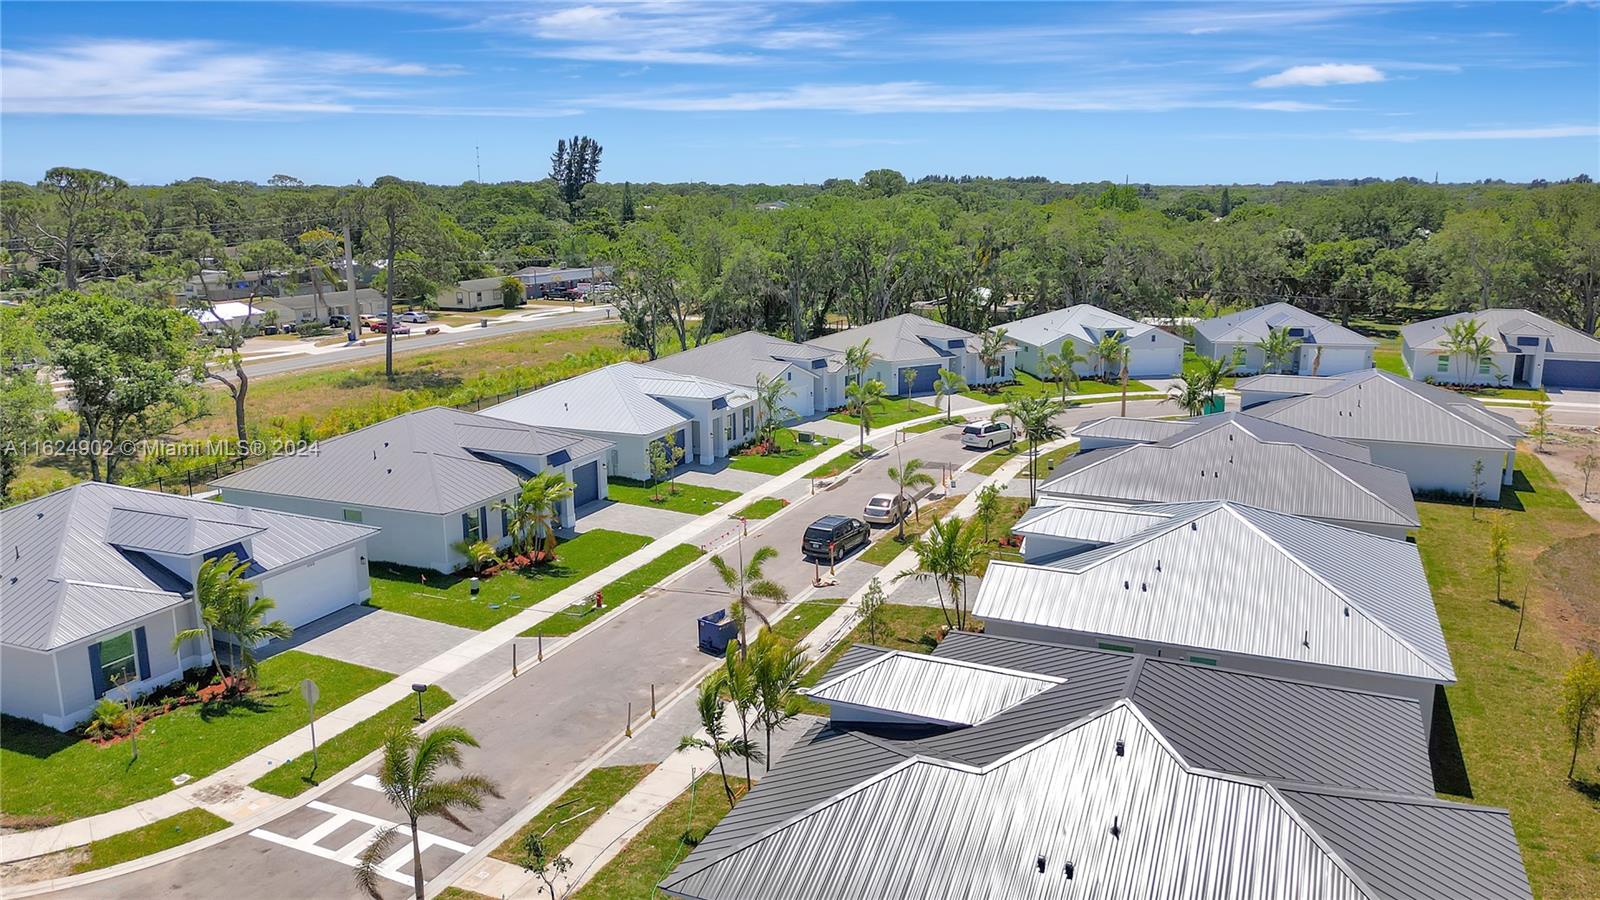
pixel 931 689
pixel 434 460
pixel 1231 579
pixel 160 532
pixel 1131 429
pixel 622 398
pixel 65 573
pixel 1083 324
pixel 745 358
pixel 903 338
pixel 1251 325
pixel 1091 522
pixel 1279 383
pixel 1374 405
pixel 1502 325
pixel 1242 459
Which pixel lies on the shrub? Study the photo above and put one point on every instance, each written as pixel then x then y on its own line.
pixel 110 720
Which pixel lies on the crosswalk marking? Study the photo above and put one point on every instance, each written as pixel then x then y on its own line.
pixel 349 854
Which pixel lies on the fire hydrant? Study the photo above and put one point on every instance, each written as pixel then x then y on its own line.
pixel 599 600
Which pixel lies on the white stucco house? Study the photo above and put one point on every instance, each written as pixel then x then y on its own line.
pixel 632 406
pixel 1152 353
pixel 472 294
pixel 1527 350
pixel 1434 435
pixel 815 377
pixel 429 479
pixel 1326 348
pixel 97 579
pixel 912 349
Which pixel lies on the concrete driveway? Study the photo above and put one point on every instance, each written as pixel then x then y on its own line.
pixel 375 638
pixel 630 518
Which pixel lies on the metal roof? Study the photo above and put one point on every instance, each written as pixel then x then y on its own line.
pixel 1374 405
pixel 903 338
pixel 931 689
pixel 64 575
pixel 1083 324
pixel 622 398
pixel 1130 429
pixel 1278 383
pixel 1231 579
pixel 1251 325
pixel 1091 522
pixel 433 460
pixel 745 358
pixel 1236 458
pixel 1106 794
pixel 1502 324
pixel 182 535
pixel 1168 432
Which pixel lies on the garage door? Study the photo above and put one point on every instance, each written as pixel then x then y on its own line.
pixel 1572 373
pixel 918 379
pixel 586 483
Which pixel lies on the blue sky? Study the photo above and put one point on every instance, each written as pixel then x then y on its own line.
pixel 1167 93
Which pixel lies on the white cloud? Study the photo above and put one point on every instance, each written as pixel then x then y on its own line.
pixel 1321 75
pixel 1544 132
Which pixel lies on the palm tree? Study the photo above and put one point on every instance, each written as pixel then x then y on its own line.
pixel 988 508
pixel 991 352
pixel 480 554
pixel 224 595
pixel 1277 348
pixel 778 668
pixel 770 396
pixel 721 744
pixel 738 678
pixel 535 511
pixel 1467 344
pixel 947 385
pixel 945 555
pixel 906 477
pixel 860 399
pixel 1190 393
pixel 858 358
pixel 410 779
pixel 1037 415
pixel 1107 351
pixel 748 582
pixel 1063 366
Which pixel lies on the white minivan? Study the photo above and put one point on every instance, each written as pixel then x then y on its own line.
pixel 986 435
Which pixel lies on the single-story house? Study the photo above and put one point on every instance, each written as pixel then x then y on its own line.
pixel 97 579
pixel 815 377
pixel 473 294
pixel 911 349
pixel 1231 456
pixel 1528 350
pixel 551 281
pixel 1436 436
pixel 1232 585
pixel 1127 775
pixel 334 302
pixel 1326 348
pixel 633 406
pixel 219 315
pixel 429 478
pixel 1152 353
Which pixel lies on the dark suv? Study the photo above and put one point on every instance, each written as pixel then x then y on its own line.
pixel 842 532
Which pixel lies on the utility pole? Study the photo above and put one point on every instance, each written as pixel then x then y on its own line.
pixel 350 283
pixel 477 161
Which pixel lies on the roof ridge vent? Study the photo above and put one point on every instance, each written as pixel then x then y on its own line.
pixel 1116 827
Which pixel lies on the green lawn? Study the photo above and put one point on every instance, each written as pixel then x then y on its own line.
pixel 58 776
pixel 1387 357
pixel 460 893
pixel 694 499
pixel 841 462
pixel 804 619
pixel 935 425
pixel 576 809
pixel 1048 460
pixel 889 411
pixel 448 598
pixel 1503 708
pixel 790 453
pixel 1191 360
pixel 617 592
pixel 293 777
pixel 1029 386
pixel 654 851
pixel 761 509
pixel 162 834
pixel 886 548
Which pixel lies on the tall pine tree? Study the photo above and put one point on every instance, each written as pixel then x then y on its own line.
pixel 574 164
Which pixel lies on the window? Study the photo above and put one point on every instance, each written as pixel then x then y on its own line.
pixel 1484 364
pixel 1444 364
pixel 471 528
pixel 461 297
pixel 749 419
pixel 1203 660
pixel 727 429
pixel 115 661
pixel 352 515
pixel 1120 648
pixel 505 521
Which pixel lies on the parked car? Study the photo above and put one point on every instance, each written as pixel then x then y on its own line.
pixel 338 321
pixel 381 326
pixel 416 316
pixel 986 435
pixel 833 537
pixel 886 509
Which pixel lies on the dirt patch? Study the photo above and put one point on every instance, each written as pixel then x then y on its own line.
pixel 226 792
pixel 1562 450
pixel 43 868
pixel 1570 597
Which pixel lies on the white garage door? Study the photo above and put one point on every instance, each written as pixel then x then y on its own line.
pixel 312 590
pixel 803 403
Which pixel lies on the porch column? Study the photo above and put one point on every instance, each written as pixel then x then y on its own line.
pixel 708 437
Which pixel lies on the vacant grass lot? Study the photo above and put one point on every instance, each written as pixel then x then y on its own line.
pixel 560 823
pixel 651 855
pixel 888 411
pixel 694 499
pixel 61 777
pixel 293 776
pixel 449 599
pixel 617 592
pixel 1514 752
pixel 791 452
